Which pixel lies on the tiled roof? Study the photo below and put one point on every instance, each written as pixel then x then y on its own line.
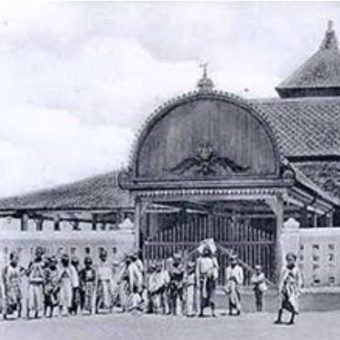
pixel 93 193
pixel 305 126
pixel 325 174
pixel 321 70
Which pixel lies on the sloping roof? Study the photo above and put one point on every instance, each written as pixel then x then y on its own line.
pixel 321 70
pixel 99 192
pixel 304 126
pixel 325 174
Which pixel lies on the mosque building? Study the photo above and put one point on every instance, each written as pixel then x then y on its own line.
pixel 261 177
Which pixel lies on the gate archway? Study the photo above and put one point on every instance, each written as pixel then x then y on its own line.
pixel 216 157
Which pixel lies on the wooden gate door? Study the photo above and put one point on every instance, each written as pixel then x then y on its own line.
pixel 252 244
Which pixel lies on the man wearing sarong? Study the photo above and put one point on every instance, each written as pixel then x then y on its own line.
pixel 36 273
pixel 259 287
pixel 289 289
pixel 67 279
pixel 104 302
pixel 155 285
pixel 176 273
pixel 206 274
pixel 12 286
pixel 123 280
pixel 165 295
pixel 136 282
pixel 234 281
pixel 190 290
pixel 87 278
pixel 76 290
pixel 51 286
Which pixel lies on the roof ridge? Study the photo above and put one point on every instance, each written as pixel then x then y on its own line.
pixel 319 75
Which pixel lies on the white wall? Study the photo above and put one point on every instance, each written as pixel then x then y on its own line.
pixel 319 256
pixel 116 242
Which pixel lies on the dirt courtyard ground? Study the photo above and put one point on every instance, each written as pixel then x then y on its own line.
pixel 250 326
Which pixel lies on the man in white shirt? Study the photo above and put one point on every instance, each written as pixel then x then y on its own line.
pixel 104 284
pixel 234 280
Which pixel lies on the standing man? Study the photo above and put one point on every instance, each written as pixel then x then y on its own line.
pixel 136 281
pixel 51 286
pixel 206 274
pixel 190 290
pixel 104 284
pixel 176 273
pixel 234 279
pixel 12 286
pixel 123 280
pixel 75 287
pixel 87 280
pixel 259 287
pixel 289 289
pixel 66 278
pixel 36 273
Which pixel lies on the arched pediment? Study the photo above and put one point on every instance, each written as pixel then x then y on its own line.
pixel 204 137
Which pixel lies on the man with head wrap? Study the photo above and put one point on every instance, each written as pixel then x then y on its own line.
pixel 87 278
pixel 36 273
pixel 176 274
pixel 12 286
pixel 289 289
pixel 104 301
pixel 206 275
pixel 51 286
pixel 234 281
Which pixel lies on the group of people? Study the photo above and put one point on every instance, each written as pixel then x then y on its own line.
pixel 49 286
pixel 64 287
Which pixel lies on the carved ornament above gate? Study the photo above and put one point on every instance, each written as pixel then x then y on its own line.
pixel 205 161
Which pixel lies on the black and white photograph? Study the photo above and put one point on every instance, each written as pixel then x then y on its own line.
pixel 169 170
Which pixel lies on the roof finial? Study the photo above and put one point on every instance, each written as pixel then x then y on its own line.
pixel 330 41
pixel 205 84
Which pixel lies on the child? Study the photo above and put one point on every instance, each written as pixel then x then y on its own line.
pixel 176 273
pixel 12 286
pixel 234 278
pixel 87 283
pixel 258 281
pixel 289 289
pixel 51 286
pixel 36 274
pixel 190 288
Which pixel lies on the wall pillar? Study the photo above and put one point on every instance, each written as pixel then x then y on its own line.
pixel 94 222
pixel 137 224
pixel 290 238
pixel 24 222
pixel 330 219
pixel 279 211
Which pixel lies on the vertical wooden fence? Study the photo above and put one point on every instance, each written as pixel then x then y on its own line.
pixel 252 245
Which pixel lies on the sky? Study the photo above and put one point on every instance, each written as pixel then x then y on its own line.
pixel 77 79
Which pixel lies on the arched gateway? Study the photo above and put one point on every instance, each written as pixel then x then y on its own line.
pixel 207 164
